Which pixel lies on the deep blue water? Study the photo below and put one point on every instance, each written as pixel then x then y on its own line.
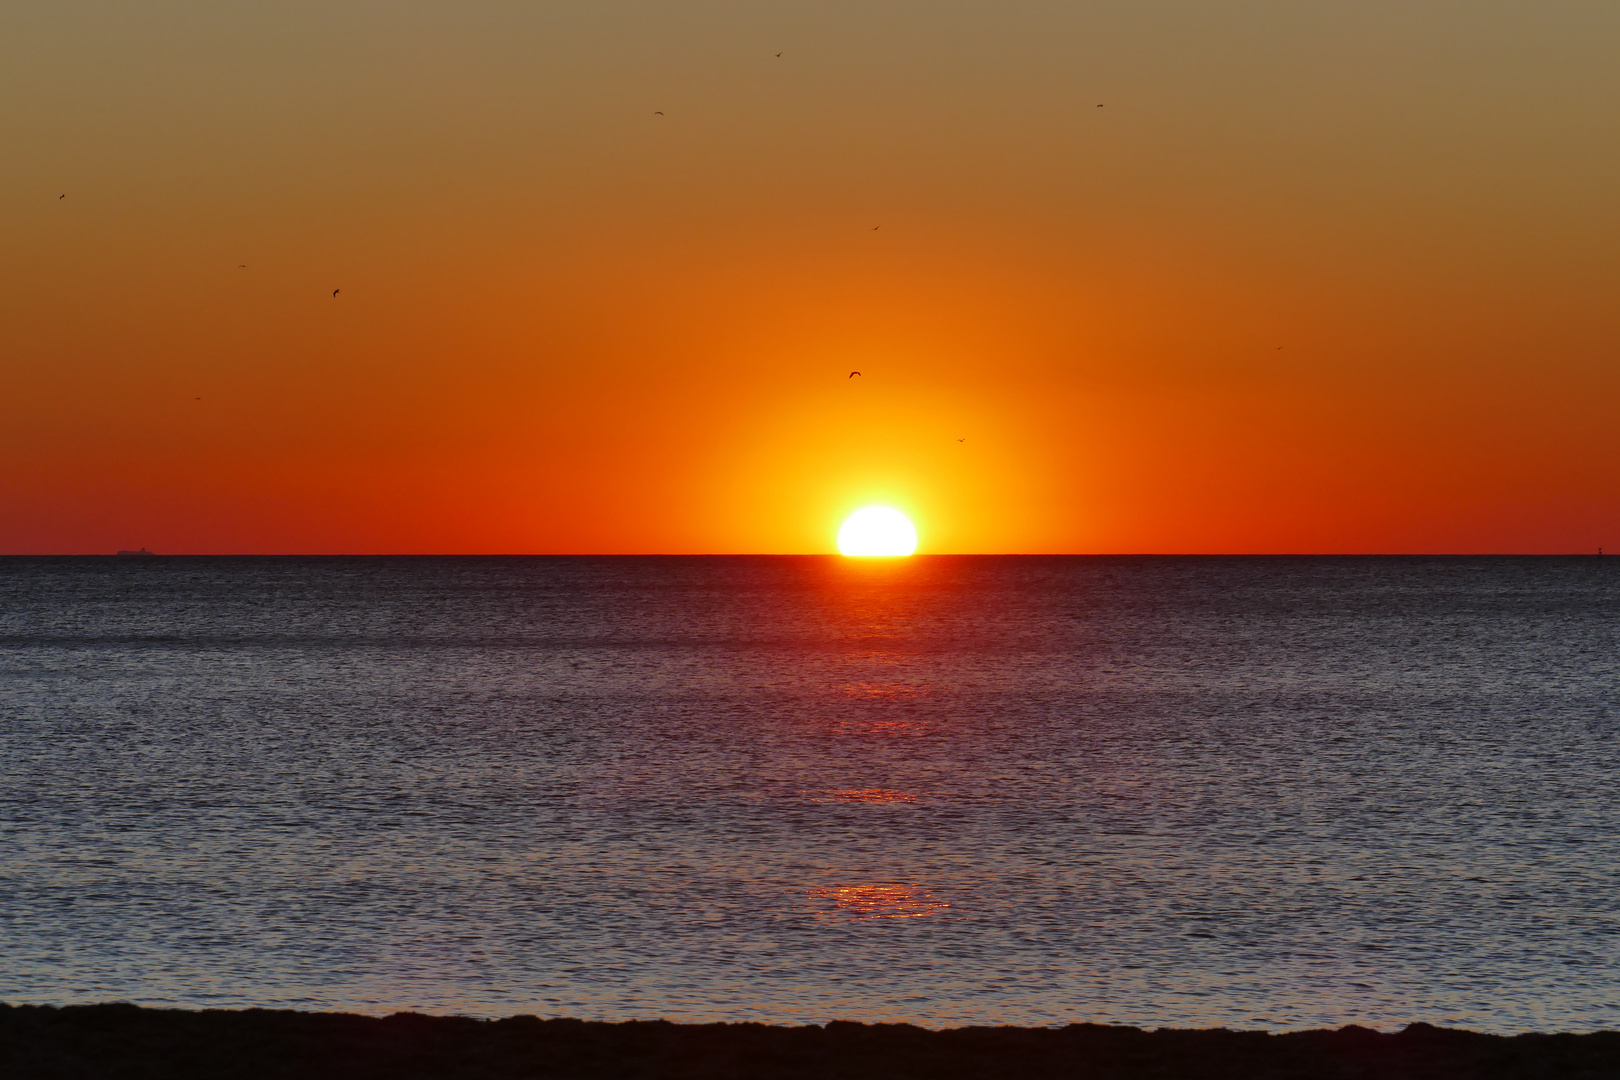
pixel 1264 792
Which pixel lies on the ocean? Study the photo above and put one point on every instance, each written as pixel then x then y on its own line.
pixel 1272 793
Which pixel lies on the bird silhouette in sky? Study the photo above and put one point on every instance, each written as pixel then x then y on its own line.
pixel 853 374
pixel 779 56
pixel 335 292
pixel 61 197
pixel 875 228
pixel 656 113
pixel 961 440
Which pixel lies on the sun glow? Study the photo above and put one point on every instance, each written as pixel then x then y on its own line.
pixel 877 530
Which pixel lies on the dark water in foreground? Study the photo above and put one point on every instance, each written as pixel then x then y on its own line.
pixel 1255 792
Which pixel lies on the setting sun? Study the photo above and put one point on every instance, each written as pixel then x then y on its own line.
pixel 877 530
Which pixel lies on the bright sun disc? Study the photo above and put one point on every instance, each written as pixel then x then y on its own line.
pixel 877 530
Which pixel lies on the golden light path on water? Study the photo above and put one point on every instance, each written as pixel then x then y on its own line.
pixel 875 900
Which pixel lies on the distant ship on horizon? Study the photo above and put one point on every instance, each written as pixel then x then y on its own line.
pixel 141 552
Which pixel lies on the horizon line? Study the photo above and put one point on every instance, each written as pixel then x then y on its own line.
pixel 809 555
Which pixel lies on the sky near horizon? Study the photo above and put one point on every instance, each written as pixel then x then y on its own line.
pixel 1314 277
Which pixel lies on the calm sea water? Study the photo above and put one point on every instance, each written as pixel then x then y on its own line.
pixel 1274 793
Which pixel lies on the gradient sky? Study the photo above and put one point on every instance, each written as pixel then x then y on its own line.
pixel 1317 277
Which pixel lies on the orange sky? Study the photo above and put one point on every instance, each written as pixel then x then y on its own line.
pixel 1333 277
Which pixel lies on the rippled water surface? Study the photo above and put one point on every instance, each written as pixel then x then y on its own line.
pixel 1255 792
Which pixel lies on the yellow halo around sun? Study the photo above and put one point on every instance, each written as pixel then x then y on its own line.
pixel 877 530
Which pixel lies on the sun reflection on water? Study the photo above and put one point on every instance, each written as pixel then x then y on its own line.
pixel 881 727
pixel 864 795
pixel 875 900
pixel 870 691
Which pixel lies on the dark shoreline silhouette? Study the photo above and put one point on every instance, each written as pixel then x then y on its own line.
pixel 121 1040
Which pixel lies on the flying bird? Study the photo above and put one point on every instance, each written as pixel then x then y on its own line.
pixel 335 292
pixel 961 440
pixel 779 56
pixel 853 374
pixel 656 113
pixel 60 197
